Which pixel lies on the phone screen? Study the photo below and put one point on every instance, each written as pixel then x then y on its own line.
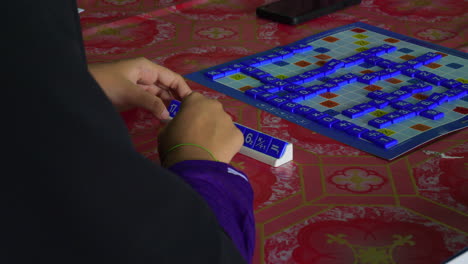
pixel 294 8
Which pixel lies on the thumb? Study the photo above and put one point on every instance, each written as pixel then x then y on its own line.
pixel 151 103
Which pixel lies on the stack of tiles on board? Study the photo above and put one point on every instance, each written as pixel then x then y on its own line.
pixel 262 147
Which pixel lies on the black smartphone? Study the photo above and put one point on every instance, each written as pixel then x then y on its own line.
pixel 298 11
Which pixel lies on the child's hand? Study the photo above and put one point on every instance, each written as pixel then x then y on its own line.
pixel 139 83
pixel 203 122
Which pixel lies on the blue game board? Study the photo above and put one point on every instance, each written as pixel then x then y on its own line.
pixel 373 89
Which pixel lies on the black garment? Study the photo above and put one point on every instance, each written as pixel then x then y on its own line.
pixel 74 189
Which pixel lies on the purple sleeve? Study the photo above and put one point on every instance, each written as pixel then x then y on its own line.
pixel 230 196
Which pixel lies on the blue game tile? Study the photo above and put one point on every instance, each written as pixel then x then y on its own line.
pixel 431 57
pixel 367 53
pixel 229 70
pixel 315 115
pixel 348 63
pixel 424 75
pixel 249 70
pixel 416 109
pixel 269 79
pixel 400 67
pixel 454 65
pixel 381 75
pixel 213 75
pixel 270 88
pixel 307 93
pixel 388 48
pixel 436 79
pixel 410 72
pixel 379 103
pixel 364 65
pixel 262 60
pixel 317 89
pixel 293 88
pixel 371 135
pixel 412 64
pixel 450 83
pixel 280 83
pixel 365 107
pixel 331 87
pixel 372 60
pixel 306 77
pixel 266 96
pixel 401 104
pixel 252 63
pixel 305 47
pixel 438 97
pixel 237 66
pixel 254 92
pixel 385 142
pixel 392 72
pixel 290 106
pixel 276 148
pixel 385 63
pixel 379 122
pixel 321 50
pixel 356 131
pixel 391 98
pixel 294 97
pixel 250 136
pixel 284 53
pixel 259 74
pixel 295 48
pixel 358 59
pixel 402 94
pixel 295 80
pixel 281 63
pixel 327 70
pixel 240 127
pixel 432 114
pixel 326 121
pixel 315 73
pixel 342 125
pixel 334 64
pixel 458 92
pixel 353 113
pixel 410 89
pixel 349 77
pixel 304 110
pixel 428 104
pixel 394 117
pixel 278 101
pixel 405 113
pixel 274 57
pixel 377 94
pixel 376 51
pixel 331 112
pixel 424 87
pixel 368 78
pixel 338 81
pixel 262 143
pixel 324 79
pixel 173 108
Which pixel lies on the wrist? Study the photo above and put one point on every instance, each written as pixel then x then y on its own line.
pixel 184 152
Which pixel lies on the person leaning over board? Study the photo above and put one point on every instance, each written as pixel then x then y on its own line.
pixel 77 191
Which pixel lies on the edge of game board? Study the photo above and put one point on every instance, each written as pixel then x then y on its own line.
pixel 365 146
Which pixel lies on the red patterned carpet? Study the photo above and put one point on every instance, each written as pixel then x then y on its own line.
pixel 333 203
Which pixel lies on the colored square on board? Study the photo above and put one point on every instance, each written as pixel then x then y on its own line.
pixel 391 40
pixel 281 76
pixel 461 110
pixel 302 63
pixel 393 80
pixel 405 50
pixel 362 43
pixel 462 80
pixel 329 103
pixel 378 113
pixel 238 76
pixel 358 30
pixel 331 112
pixel 321 50
pixel 407 57
pixel 320 63
pixel 420 96
pixel 245 88
pixel 433 65
pixel 361 49
pixel 281 63
pixel 372 88
pixel 329 95
pixel 322 57
pixel 421 127
pixel 360 36
pixel 386 131
pixel 330 39
pixel 443 54
pixel 366 71
pixel 366 65
pixel 454 65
